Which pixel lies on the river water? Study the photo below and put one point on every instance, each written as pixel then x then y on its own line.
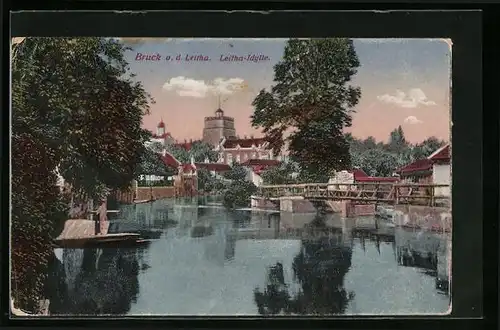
pixel 209 261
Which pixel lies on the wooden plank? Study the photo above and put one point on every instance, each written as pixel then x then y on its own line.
pixel 112 243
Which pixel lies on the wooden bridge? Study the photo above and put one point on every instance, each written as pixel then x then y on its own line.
pixel 360 193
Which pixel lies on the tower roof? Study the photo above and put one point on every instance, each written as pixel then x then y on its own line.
pixel 219 110
pixel 161 124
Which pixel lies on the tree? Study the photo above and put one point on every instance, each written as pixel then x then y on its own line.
pixel 151 164
pixel 75 108
pixel 285 173
pixel 397 140
pixel 37 217
pixel 313 98
pixel 426 147
pixel 77 95
pixel 156 147
pixel 237 173
pixel 381 159
pixel 319 268
pixel 238 194
pixel 376 162
pixel 201 151
pixel 207 182
pixel 181 154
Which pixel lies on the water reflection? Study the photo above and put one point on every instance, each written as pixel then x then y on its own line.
pixel 320 268
pixel 96 281
pixel 212 262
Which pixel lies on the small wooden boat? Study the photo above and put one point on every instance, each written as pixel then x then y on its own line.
pixel 143 201
pixel 108 240
pixel 144 232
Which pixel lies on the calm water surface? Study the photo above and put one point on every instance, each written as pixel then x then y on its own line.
pixel 211 262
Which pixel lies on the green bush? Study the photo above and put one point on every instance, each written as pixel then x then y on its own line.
pixel 238 194
pixel 38 215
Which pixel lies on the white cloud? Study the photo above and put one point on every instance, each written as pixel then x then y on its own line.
pixel 412 120
pixel 188 87
pixel 412 99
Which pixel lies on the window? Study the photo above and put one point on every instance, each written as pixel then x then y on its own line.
pixel 254 155
pixel 238 159
pixel 229 158
pixel 245 157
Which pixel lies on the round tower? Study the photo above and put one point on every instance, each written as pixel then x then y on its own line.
pixel 218 126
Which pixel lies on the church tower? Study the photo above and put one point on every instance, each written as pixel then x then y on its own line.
pixel 218 126
pixel 160 128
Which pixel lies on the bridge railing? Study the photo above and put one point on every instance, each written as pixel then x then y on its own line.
pixel 370 192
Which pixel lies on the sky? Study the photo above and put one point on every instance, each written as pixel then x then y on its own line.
pixel 403 82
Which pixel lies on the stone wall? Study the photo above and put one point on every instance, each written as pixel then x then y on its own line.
pixel 297 206
pixel 363 210
pixel 154 193
pixel 423 217
pixel 347 209
pixel 261 203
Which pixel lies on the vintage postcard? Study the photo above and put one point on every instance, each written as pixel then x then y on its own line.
pixel 163 176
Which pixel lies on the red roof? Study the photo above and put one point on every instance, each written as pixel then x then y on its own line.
pixel 217 167
pixel 264 162
pixel 170 160
pixel 417 166
pixel 188 168
pixel 442 154
pixel 361 176
pixel 358 173
pixel 377 179
pixel 258 169
pixel 161 124
pixel 243 143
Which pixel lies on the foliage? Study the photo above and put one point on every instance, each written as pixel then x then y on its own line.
pixel 38 214
pixel 180 153
pixel 382 159
pixel 238 194
pixel 156 146
pixel 397 141
pixel 312 98
pixel 152 164
pixel 376 162
pixel 75 107
pixel 320 269
pixel 283 174
pixel 201 151
pixel 77 96
pixel 238 191
pixel 237 173
pixel 207 182
pixel 291 172
pixel 107 283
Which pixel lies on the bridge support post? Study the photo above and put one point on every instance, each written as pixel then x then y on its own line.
pixel 424 217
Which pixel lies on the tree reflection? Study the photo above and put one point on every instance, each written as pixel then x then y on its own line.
pixel 319 268
pixel 106 284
